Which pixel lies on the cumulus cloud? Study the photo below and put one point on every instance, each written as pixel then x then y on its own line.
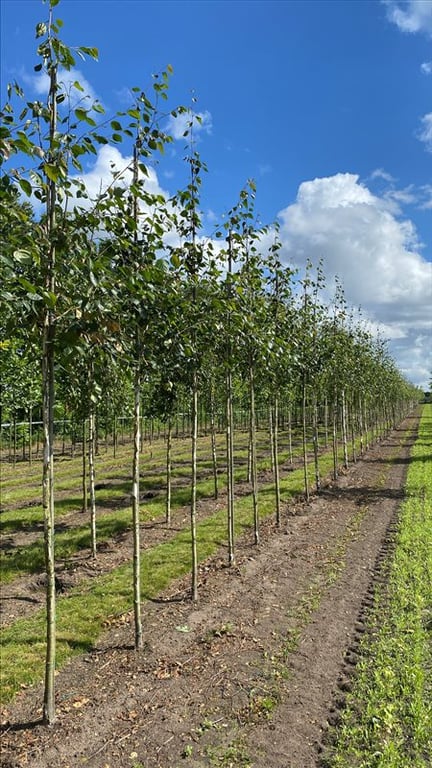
pixel 426 67
pixel 111 163
pixel 425 133
pixel 380 173
pixel 110 167
pixel 82 94
pixel 375 253
pixel 426 197
pixel 179 126
pixel 411 16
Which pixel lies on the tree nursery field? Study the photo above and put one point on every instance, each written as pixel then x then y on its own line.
pixel 216 507
pixel 312 649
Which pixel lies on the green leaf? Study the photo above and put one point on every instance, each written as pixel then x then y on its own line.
pixel 50 299
pixel 25 186
pixel 30 288
pixel 83 116
pixel 51 171
pixel 92 52
pixel 115 125
pixel 23 256
pixel 80 114
pixel 117 137
pixel 41 29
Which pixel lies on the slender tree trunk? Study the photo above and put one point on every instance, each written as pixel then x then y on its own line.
pixel 194 487
pixel 335 439
pixel 344 428
pixel 230 426
pixel 326 421
pixel 92 492
pixel 252 434
pixel 304 440
pixel 271 436
pixel 366 425
pixel 213 443
pixel 14 438
pixel 316 442
pixel 48 508
pixel 96 432
pixel 64 434
pixel 106 428
pixel 230 469
pixel 136 510
pixel 10 439
pixel 361 425
pixel 168 473
pixel 290 447
pixel 73 438
pixel 84 468
pixel 48 428
pixel 30 434
pixel 275 453
pixel 352 423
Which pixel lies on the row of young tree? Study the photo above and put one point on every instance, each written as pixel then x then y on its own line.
pixel 120 300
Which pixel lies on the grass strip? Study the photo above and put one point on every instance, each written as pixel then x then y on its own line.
pixel 82 613
pixel 388 720
pixel 30 558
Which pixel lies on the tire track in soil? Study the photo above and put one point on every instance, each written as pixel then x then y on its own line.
pixel 115 703
pixel 324 666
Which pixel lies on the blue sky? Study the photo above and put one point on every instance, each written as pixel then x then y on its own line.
pixel 327 105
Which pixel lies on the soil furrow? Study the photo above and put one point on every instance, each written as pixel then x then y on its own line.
pixel 254 673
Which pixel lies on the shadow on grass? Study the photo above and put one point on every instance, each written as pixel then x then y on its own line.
pixel 22 598
pixel 26 726
pixel 406 460
pixel 363 495
pixel 19 522
pixel 187 595
pixel 31 558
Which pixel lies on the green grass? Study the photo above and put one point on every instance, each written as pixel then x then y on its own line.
pixel 81 615
pixel 388 721
pixel 30 558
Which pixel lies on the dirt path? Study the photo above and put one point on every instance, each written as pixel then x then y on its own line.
pixel 252 675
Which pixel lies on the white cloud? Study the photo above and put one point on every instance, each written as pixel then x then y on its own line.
pixel 425 133
pixel 411 16
pixel 111 163
pixel 426 67
pixel 426 197
pixel 375 254
pixel 84 95
pixel 380 173
pixel 419 196
pixel 180 125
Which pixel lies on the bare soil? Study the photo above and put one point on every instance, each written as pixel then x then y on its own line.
pixel 254 673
